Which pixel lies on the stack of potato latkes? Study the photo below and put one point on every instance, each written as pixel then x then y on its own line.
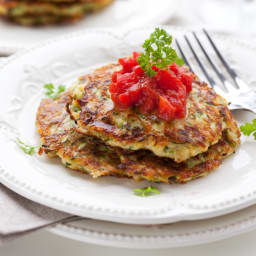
pixel 44 12
pixel 89 134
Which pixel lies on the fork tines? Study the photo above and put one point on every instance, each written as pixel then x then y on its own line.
pixel 226 85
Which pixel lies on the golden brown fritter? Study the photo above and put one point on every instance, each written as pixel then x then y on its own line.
pixel 88 154
pixel 206 120
pixel 53 123
pixel 63 1
pixel 43 12
pixel 44 20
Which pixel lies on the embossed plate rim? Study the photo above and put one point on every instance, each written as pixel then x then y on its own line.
pixel 151 237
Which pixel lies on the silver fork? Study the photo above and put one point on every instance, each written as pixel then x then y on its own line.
pixel 238 93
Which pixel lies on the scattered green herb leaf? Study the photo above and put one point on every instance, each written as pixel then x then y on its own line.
pixel 159 52
pixel 249 128
pixel 190 163
pixel 147 191
pixel 76 109
pixel 30 150
pixel 52 92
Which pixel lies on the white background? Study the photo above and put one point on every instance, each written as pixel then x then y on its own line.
pixel 44 243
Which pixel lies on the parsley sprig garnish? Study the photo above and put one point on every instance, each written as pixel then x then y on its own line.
pixel 249 128
pixel 52 92
pixel 147 191
pixel 159 52
pixel 27 149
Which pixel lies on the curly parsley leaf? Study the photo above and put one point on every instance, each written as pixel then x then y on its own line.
pixel 249 128
pixel 147 191
pixel 52 92
pixel 27 149
pixel 158 52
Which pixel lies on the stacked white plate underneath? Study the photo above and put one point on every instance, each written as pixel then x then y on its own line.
pixel 208 209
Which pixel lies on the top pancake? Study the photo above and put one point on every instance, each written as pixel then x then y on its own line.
pixel 207 117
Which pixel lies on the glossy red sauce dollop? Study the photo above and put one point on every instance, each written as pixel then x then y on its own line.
pixel 165 94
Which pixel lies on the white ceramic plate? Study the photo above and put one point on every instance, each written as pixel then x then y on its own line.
pixel 122 13
pixel 185 233
pixel 229 188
